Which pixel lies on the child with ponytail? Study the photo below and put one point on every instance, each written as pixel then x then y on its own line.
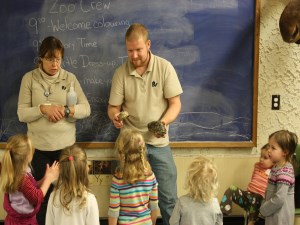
pixel 23 194
pixel 133 193
pixel 71 202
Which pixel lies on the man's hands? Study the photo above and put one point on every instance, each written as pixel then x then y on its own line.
pixel 118 119
pixel 158 128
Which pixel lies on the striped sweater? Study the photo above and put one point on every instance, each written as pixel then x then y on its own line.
pixel 259 180
pixel 132 204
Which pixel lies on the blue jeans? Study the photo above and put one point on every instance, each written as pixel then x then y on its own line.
pixel 163 166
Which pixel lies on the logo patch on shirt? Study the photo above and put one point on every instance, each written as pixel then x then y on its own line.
pixel 154 84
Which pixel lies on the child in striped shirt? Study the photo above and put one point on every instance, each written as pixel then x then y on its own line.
pixel 251 199
pixel 133 193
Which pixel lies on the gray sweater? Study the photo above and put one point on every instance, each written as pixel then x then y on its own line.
pixel 278 207
pixel 190 212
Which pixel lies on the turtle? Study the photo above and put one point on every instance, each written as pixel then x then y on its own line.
pixel 158 128
pixel 123 115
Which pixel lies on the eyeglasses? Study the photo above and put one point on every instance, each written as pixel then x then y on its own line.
pixel 52 60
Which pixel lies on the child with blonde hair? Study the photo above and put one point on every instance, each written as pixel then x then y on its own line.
pixel 250 199
pixel 71 202
pixel 133 193
pixel 278 207
pixel 23 194
pixel 200 206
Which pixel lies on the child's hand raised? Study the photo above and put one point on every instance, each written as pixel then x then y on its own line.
pixel 52 172
pixel 51 175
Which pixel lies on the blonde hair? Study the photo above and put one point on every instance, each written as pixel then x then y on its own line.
pixel 16 159
pixel 136 31
pixel 201 180
pixel 131 149
pixel 73 177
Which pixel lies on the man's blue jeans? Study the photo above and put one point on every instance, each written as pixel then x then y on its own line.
pixel 164 168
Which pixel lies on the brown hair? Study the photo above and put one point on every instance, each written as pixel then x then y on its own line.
pixel 287 141
pixel 50 45
pixel 265 148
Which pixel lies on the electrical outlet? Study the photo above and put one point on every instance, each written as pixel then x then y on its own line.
pixel 275 102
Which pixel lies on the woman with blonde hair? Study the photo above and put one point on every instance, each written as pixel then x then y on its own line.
pixel 133 193
pixel 200 206
pixel 71 202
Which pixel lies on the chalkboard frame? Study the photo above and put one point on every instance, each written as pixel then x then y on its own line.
pixel 219 144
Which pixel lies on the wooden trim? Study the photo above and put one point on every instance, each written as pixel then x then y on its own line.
pixel 102 145
pixel 177 144
pixel 255 72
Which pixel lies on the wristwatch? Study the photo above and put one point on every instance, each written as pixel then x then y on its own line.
pixel 67 111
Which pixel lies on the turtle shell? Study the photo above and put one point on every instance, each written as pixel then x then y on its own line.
pixel 157 128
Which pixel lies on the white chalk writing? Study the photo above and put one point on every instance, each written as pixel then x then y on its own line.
pixel 87 62
pixel 97 81
pixel 60 8
pixel 59 25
